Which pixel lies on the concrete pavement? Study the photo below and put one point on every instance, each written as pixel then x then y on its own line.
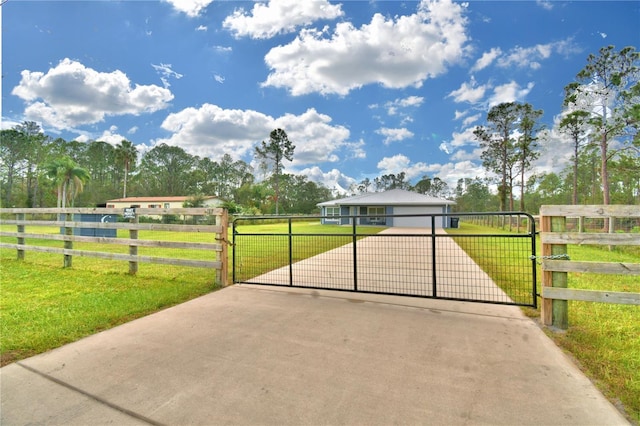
pixel 262 355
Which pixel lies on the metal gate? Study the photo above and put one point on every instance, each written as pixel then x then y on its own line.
pixel 487 257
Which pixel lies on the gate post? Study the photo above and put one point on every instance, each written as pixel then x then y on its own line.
pixel 224 253
pixel 554 311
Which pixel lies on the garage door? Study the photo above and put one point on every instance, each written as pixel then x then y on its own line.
pixel 417 221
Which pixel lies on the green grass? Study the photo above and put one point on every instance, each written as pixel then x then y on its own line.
pixel 603 338
pixel 269 251
pixel 44 306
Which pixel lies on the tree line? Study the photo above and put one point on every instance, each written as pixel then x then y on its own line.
pixel 600 120
pixel 39 171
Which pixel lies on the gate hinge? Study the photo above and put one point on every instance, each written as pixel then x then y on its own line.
pixel 551 257
pixel 224 240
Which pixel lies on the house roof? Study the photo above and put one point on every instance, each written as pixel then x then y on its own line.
pixel 396 197
pixel 157 199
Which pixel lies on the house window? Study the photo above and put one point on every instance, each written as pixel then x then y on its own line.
pixel 154 206
pixel 333 211
pixel 167 205
pixel 373 213
pixel 111 206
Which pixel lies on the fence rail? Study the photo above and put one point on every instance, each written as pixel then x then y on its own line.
pixel 555 239
pixel 213 222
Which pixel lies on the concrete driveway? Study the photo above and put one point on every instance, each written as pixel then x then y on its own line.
pixel 253 355
pixel 397 261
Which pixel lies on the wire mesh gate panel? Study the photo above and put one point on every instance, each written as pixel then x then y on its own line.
pixel 484 260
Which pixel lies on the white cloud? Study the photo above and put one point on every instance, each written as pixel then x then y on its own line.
pixel 530 57
pixel 394 135
pixel 459 140
pixel 165 72
pixel 334 179
pixel 394 52
pixel 472 119
pixel 401 103
pixel 191 8
pixel 486 59
pixel 401 163
pixel 316 140
pixel 545 4
pixel 111 136
pixel 70 95
pixel 211 131
pixel 202 28
pixel 451 172
pixel 218 78
pixel 279 16
pixel 469 92
pixel 509 92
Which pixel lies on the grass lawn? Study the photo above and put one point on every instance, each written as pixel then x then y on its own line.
pixel 44 306
pixel 603 338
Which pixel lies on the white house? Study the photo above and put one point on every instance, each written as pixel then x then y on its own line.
pixel 374 208
pixel 159 202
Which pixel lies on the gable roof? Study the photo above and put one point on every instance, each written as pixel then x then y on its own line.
pixel 396 197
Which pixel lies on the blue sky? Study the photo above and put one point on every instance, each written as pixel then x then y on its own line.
pixel 362 88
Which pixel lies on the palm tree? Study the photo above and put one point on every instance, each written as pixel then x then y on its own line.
pixel 67 176
pixel 126 154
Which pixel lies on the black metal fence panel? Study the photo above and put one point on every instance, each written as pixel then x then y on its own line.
pixel 471 262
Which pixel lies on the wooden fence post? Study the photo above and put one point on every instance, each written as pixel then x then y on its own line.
pixel 554 311
pixel 20 216
pixel 133 249
pixel 68 243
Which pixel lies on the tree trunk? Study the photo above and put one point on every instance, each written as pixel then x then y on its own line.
pixel 575 175
pixel 604 170
pixel 124 190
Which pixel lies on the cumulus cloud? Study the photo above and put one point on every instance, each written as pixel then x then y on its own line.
pixel 211 131
pixel 279 16
pixel 468 92
pixel 395 52
pixel 401 163
pixel 315 138
pixel 71 94
pixel 459 140
pixel 394 135
pixel 191 8
pixel 509 92
pixel 334 179
pixel 111 136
